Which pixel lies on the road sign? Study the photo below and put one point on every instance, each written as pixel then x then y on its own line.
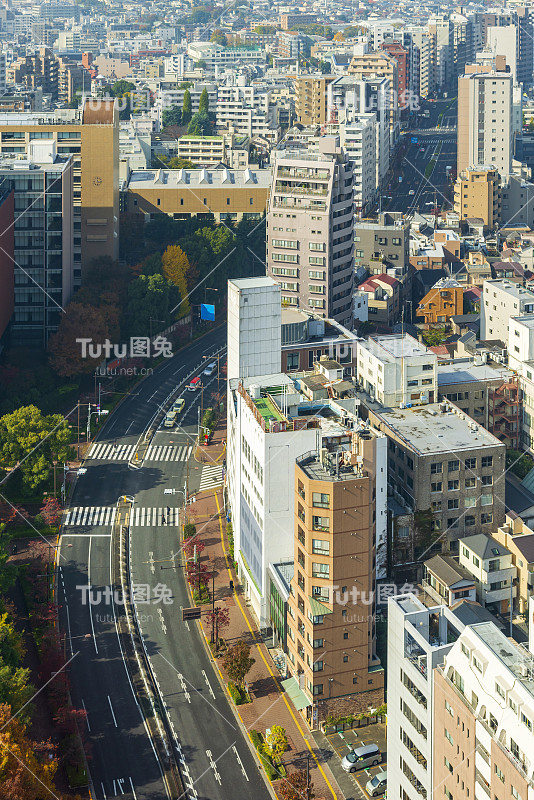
pixel 82 470
pixel 169 491
pixel 207 311
pixel 103 412
pixel 414 140
pixel 191 613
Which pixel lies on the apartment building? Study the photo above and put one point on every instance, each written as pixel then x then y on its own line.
pixel 380 65
pixel 38 70
pixel 518 538
pixel 206 151
pixel 311 103
pixel 520 358
pixel 485 120
pixel 477 195
pixel 383 299
pixel 441 33
pixel 43 241
pixel 397 370
pixel 443 301
pixel 7 244
pixel 491 565
pixel 383 245
pixel 91 136
pixel 331 641
pixel 310 229
pixel 214 55
pixel 228 194
pixel 501 301
pixel 358 139
pixel 421 45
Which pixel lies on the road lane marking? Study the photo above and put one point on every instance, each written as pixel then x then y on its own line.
pixel 234 748
pixel 103 791
pixel 184 687
pixel 112 714
pixel 213 765
pixel 133 790
pixel 162 620
pixel 208 684
pixel 185 621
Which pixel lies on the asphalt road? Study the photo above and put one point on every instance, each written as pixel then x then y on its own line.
pixel 216 758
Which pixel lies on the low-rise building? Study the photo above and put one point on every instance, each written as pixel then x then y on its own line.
pixel 443 301
pixel 490 563
pixel 447 582
pixel 501 301
pixel 518 538
pixel 384 299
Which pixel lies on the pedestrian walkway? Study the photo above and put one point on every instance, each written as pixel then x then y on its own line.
pixel 211 478
pixel 110 452
pixel 105 515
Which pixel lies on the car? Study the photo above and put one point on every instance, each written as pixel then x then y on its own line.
pixel 178 405
pixel 412 191
pixel 210 369
pixel 361 757
pixel 194 385
pixel 170 419
pixel 377 784
pixel 421 149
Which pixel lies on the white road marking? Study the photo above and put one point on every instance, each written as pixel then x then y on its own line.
pixel 103 790
pixel 208 684
pixel 133 790
pixel 185 621
pixel 151 560
pixel 112 712
pixel 162 620
pixel 213 765
pixel 234 748
pixel 86 717
pixel 127 429
pixel 184 687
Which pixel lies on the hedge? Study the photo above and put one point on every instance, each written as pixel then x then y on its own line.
pixel 234 693
pixel 273 772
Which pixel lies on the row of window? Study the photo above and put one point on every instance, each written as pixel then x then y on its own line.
pixel 486 518
pixel 436 467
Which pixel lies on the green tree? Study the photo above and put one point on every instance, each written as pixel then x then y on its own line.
pixel 149 297
pixel 531 124
pixel 434 336
pixel 171 116
pixel 152 264
pixel 218 37
pixel 122 87
pixel 15 689
pixel 204 102
pixel 238 662
pixel 200 125
pixel 27 429
pixel 175 268
pixel 265 29
pixel 187 108
pixel 11 646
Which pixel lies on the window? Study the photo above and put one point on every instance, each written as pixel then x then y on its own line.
pixel 288 243
pixel 470 463
pixel 448 736
pixel 449 767
pixel 320 500
pixel 318 666
pixel 525 720
pixel 448 794
pixel 470 483
pixel 435 506
pixel 318 688
pixel 321 246
pixel 436 467
pixel 477 664
pixel 317 643
pixel 452 505
pixel 486 500
pixel 345 635
pixel 487 480
pixel 486 518
pixel 470 502
pixel 453 485
pixel 452 522
pixel 515 793
pixel 448 708
pixel 427 367
pixel 454 466
pixel 436 487
pixel 469 521
pixel 500 691
pixel 487 461
pixel 320 570
pixel 499 774
pixel 320 523
pixel 403 532
pixel 320 547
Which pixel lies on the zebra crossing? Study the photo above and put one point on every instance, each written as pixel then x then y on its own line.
pixel 94 516
pixel 124 452
pixel 211 478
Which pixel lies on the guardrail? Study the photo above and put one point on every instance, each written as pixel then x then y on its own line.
pixel 143 443
pixel 152 705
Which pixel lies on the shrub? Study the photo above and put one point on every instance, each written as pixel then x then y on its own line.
pixel 234 693
pixel 257 739
pixel 189 530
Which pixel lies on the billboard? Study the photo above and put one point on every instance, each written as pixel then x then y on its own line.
pixel 207 311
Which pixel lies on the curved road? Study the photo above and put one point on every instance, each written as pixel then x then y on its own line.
pixel 215 757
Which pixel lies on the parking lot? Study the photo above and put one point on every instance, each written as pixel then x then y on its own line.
pixel 342 742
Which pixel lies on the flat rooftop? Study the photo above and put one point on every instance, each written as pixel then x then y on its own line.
pixel 507 651
pixel 525 319
pixel 428 430
pixel 450 374
pixel 390 348
pixel 511 288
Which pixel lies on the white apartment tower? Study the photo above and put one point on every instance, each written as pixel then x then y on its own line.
pixel 485 105
pixel 310 229
pixel 254 327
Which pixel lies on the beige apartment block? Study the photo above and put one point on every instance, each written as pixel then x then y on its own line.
pixel 331 632
pixel 477 195
pixel 311 98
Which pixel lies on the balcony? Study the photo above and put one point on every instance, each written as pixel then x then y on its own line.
pixel 419 660
pixel 480 779
pixel 297 189
pixel 434 594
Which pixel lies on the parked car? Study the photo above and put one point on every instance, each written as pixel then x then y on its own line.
pixel 367 756
pixel 377 784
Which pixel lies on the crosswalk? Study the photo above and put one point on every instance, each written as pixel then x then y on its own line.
pixel 124 452
pixel 211 477
pixel 141 516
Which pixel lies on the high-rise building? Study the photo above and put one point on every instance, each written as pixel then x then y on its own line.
pixel 485 120
pixel 441 33
pixel 380 65
pixel 38 70
pixel 310 229
pixel 331 639
pixel 358 139
pixel 43 236
pixel 477 195
pixel 421 44
pixel 7 263
pixel 311 98
pixel 91 136
pixel 254 316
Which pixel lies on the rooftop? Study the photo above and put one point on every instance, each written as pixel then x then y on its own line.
pixel 450 374
pixel 448 570
pixel 485 546
pixel 513 289
pixel 202 177
pixel 391 347
pixel 429 430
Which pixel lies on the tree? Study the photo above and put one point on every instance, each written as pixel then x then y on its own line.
pixel 187 110
pixel 531 124
pixel 276 742
pixel 11 646
pixel 200 125
pixel 150 297
pixel 265 29
pixel 193 547
pixel 51 511
pixel 171 116
pixel 122 87
pixel 23 776
pixel 175 266
pixel 295 786
pixel 339 37
pixel 434 336
pixel 218 37
pixel 15 690
pixel 80 321
pixel 27 429
pixel 237 662
pixel 204 102
pixel 219 619
pixel 325 67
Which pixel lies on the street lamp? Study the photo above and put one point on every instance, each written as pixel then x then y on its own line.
pixel 150 321
pixel 209 289
pixel 54 462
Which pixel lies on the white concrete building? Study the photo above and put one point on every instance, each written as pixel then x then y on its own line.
pixel 254 327
pixel 396 370
pixel 359 140
pixel 521 360
pixel 490 563
pixel 502 300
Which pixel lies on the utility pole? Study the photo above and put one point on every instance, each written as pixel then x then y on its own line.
pixel 78 444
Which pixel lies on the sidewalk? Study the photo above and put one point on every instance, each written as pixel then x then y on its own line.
pixel 270 706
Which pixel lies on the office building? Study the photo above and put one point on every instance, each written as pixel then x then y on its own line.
pixel 485 121
pixel 501 301
pixel 7 262
pixel 477 195
pixel 91 136
pixel 43 240
pixel 331 639
pixel 310 229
